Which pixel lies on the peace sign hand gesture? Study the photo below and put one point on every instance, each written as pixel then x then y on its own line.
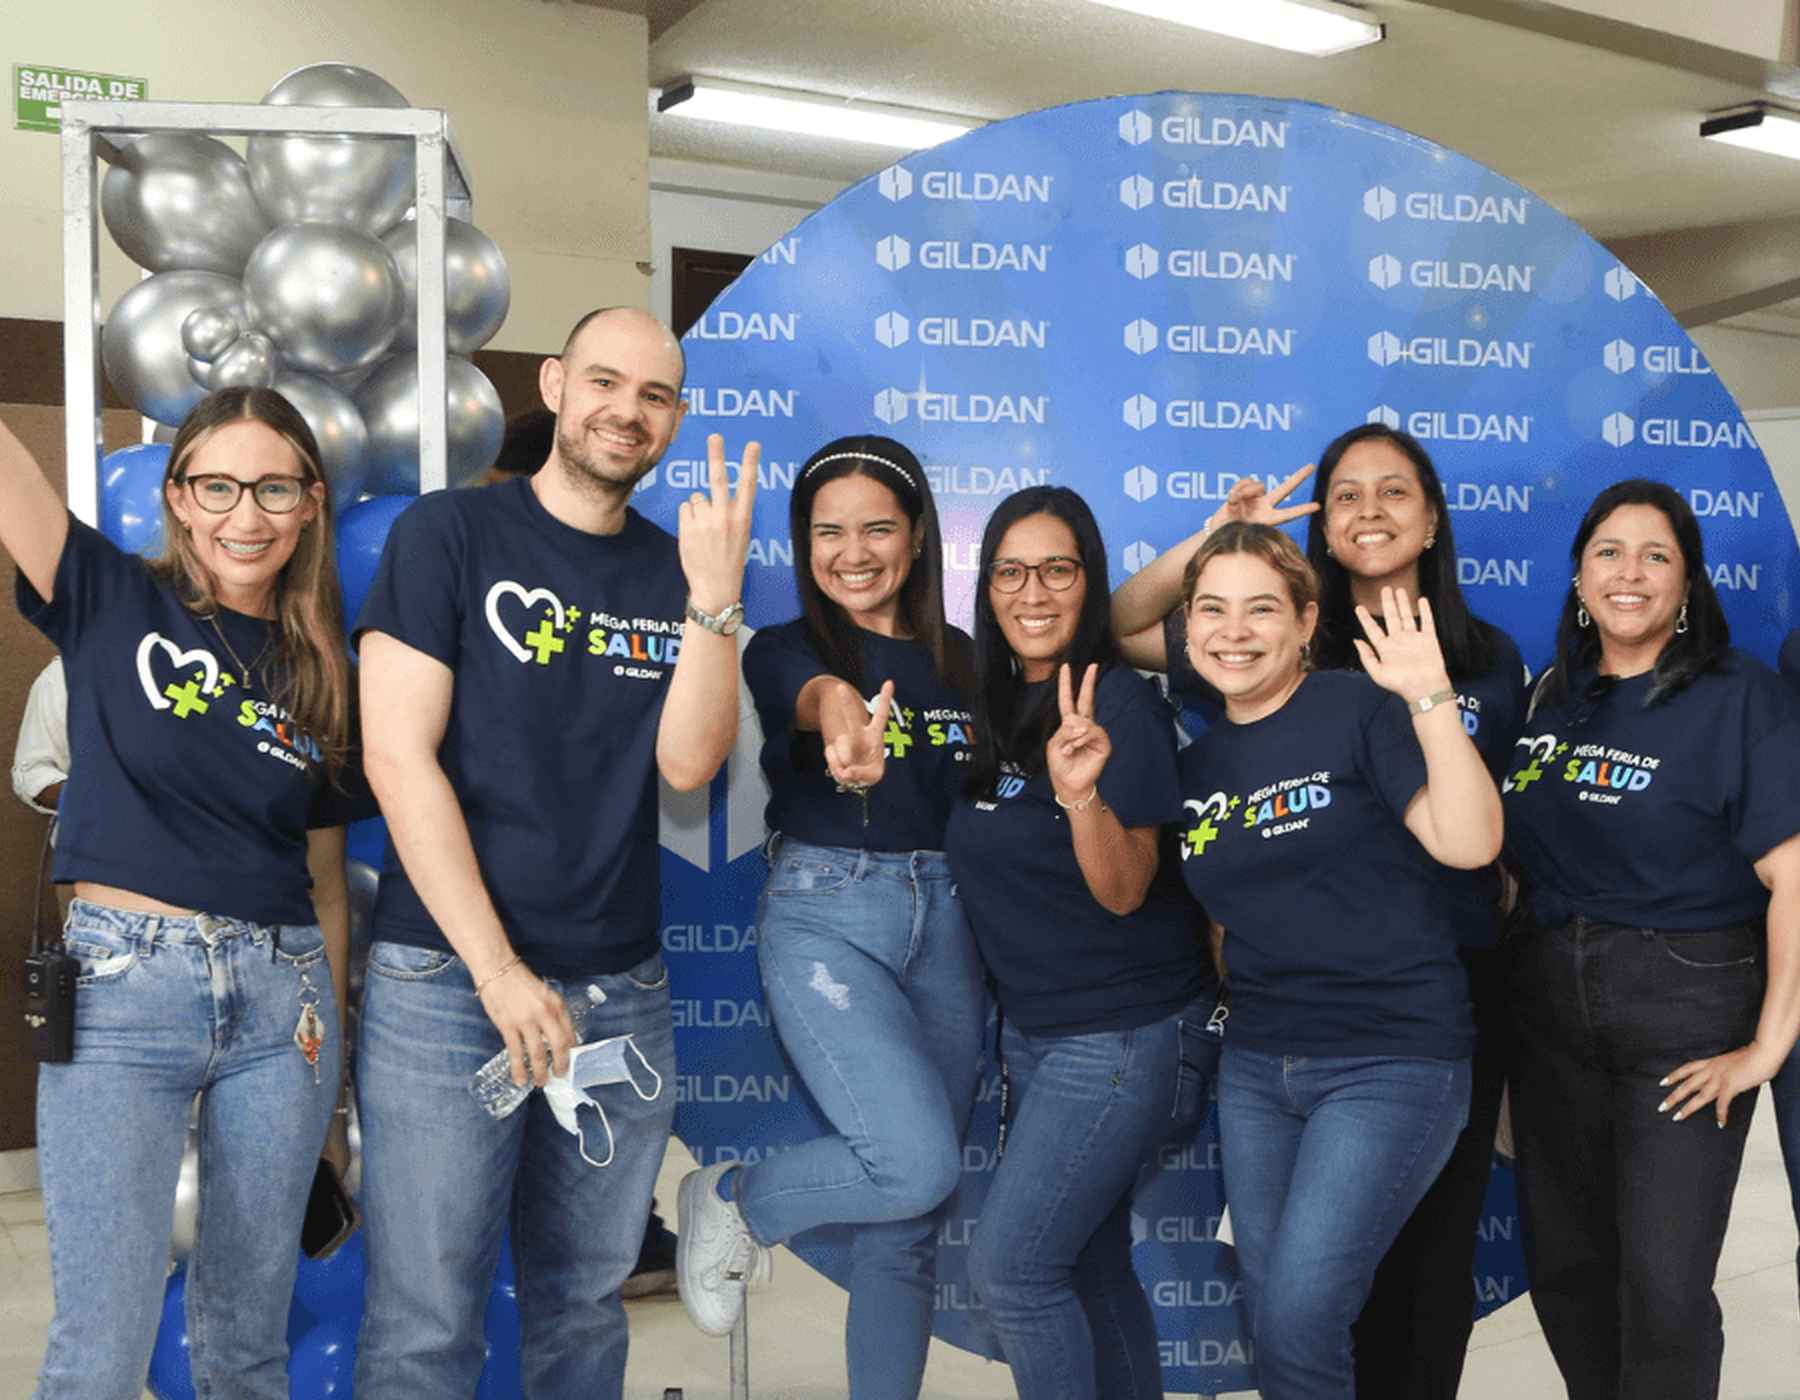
pixel 1077 752
pixel 858 757
pixel 714 534
pixel 1402 654
pixel 1251 500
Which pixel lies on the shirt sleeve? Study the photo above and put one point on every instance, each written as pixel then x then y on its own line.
pixel 41 758
pixel 1393 761
pixel 1764 810
pixel 1139 781
pixel 90 576
pixel 417 595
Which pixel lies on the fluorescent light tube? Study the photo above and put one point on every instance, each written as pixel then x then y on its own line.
pixel 1757 128
pixel 808 114
pixel 1281 24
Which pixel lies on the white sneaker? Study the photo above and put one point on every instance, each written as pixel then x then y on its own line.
pixel 714 1253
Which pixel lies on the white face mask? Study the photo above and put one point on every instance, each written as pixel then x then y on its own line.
pixel 591 1065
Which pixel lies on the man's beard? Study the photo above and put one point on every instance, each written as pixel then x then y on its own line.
pixel 586 473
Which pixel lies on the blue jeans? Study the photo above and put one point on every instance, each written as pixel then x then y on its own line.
pixel 1325 1158
pixel 1052 1251
pixel 875 987
pixel 166 1008
pixel 442 1180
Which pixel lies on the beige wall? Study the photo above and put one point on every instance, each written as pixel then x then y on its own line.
pixel 554 133
pixel 1760 27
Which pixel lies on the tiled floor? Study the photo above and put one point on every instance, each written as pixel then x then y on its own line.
pixel 797 1324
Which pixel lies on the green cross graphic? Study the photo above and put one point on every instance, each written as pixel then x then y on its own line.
pixel 1201 835
pixel 546 642
pixel 187 699
pixel 1527 776
pixel 898 740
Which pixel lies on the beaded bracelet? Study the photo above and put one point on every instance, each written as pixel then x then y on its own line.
pixel 1080 804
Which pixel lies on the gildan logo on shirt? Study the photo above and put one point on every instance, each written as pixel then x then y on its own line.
pixel 535 626
pixel 1209 818
pixel 1278 809
pixel 943 728
pixel 1601 773
pixel 194 694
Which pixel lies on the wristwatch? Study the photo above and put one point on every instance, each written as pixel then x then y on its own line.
pixel 725 622
pixel 1426 703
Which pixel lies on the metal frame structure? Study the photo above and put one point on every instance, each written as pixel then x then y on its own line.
pixel 441 189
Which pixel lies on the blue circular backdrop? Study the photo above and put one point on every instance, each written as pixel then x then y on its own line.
pixel 1147 299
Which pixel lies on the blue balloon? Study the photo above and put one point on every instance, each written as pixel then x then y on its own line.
pixel 171 1378
pixel 131 496
pixel 328 1288
pixel 500 1375
pixel 362 531
pixel 321 1363
pixel 366 841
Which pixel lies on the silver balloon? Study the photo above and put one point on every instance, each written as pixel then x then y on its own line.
pixel 249 362
pixel 141 347
pixel 177 199
pixel 338 427
pixel 187 1192
pixel 353 1177
pixel 201 371
pixel 474 421
pixel 363 181
pixel 477 286
pixel 163 433
pixel 207 332
pixel 328 296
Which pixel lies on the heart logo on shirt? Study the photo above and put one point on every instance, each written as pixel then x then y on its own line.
pixel 544 642
pixel 188 697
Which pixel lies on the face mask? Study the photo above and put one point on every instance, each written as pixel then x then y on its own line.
pixel 601 1062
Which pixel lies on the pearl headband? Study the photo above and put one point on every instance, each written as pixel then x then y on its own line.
pixel 894 467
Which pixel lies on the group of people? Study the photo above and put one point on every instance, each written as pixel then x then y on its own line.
pixel 1389 880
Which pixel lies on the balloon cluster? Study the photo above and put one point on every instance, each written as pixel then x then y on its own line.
pixel 294 267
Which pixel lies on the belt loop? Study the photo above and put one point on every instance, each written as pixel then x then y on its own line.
pixel 147 939
pixel 862 864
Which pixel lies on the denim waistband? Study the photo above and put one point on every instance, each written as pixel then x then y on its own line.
pixel 915 865
pixel 146 927
pixel 1581 923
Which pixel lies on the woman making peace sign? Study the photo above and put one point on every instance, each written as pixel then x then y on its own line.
pixel 1320 814
pixel 1093 947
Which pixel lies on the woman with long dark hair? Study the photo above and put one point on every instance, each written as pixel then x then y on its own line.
pixel 1653 821
pixel 1095 953
pixel 867 962
pixel 209 720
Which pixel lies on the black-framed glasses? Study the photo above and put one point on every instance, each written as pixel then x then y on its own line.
pixel 216 493
pixel 1057 573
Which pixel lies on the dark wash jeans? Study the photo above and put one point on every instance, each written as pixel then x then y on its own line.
pixel 1625 1210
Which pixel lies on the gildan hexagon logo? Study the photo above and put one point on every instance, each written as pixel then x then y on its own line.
pixel 895 183
pixel 892 406
pixel 893 252
pixel 1134 127
pixel 1619 356
pixel 892 328
pixel 1379 203
pixel 1621 283
pixel 1384 270
pixel 1620 429
pixel 1135 191
pixel 1137 554
pixel 1141 336
pixel 1385 348
pixel 1385 416
pixel 1141 483
pixel 1141 261
pixel 1140 412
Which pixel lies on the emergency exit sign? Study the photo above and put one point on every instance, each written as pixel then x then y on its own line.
pixel 39 91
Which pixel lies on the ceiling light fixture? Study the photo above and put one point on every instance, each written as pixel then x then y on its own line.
pixel 1757 127
pixel 808 113
pixel 1283 24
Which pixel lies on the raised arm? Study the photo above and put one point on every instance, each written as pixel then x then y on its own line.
pixel 33 520
pixel 1117 861
pixel 405 711
pixel 699 718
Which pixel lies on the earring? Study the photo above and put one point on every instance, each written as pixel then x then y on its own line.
pixel 1681 623
pixel 1581 613
pixel 917 550
pixel 1305 656
pixel 1430 540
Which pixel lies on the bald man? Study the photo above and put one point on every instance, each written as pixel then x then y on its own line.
pixel 533 657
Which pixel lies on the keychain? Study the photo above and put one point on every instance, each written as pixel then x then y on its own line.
pixel 309 1033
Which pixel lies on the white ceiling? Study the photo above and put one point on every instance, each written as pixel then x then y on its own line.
pixel 1598 117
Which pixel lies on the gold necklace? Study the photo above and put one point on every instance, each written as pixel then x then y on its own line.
pixel 245 673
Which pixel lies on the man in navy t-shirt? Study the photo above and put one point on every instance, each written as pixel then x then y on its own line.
pixel 534 655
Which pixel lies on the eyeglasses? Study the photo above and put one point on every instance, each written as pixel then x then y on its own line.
pixel 216 493
pixel 1057 573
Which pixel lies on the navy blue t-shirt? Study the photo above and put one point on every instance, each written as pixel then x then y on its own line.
pixel 930 735
pixel 1063 964
pixel 562 644
pixel 188 783
pixel 1790 659
pixel 1340 931
pixel 1655 817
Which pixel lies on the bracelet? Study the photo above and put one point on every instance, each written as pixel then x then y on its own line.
pixel 1426 703
pixel 1081 804
pixel 497 974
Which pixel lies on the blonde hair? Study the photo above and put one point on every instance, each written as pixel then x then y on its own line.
pixel 1262 542
pixel 313 665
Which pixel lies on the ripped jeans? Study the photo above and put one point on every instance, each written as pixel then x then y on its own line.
pixel 875 987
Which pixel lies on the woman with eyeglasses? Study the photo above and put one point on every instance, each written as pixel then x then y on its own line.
pixel 202 828
pixel 867 963
pixel 1653 820
pixel 1094 950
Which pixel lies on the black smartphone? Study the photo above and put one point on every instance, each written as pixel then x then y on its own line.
pixel 331 1216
